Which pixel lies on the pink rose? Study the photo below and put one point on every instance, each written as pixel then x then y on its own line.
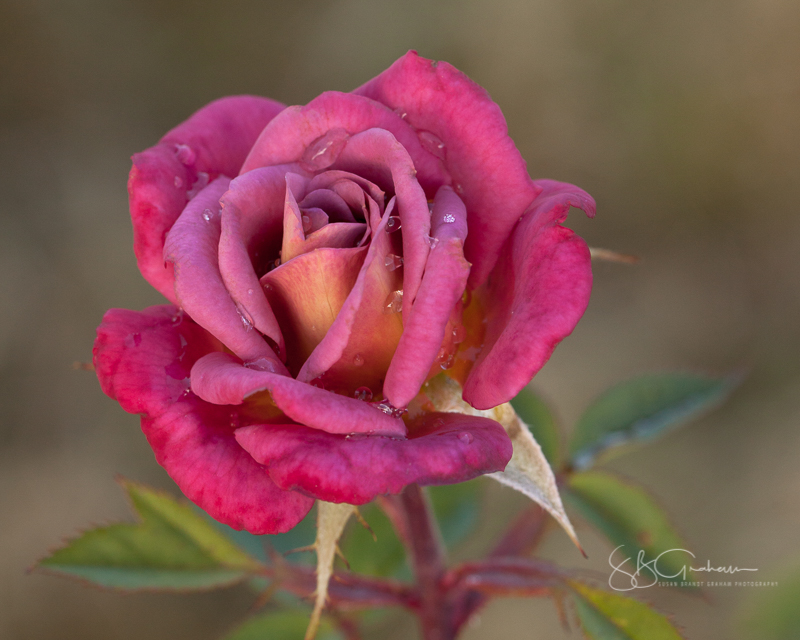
pixel 323 262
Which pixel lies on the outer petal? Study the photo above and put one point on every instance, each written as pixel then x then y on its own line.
pixel 213 142
pixel 444 448
pixel 192 246
pixel 143 361
pixel 487 169
pixel 288 137
pixel 442 286
pixel 536 294
pixel 221 379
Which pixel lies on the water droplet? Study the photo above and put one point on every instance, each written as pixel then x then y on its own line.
pixel 267 286
pixel 249 292
pixel 207 215
pixel 432 143
pixel 393 224
pixel 277 263
pixel 432 242
pixel 198 185
pixel 178 317
pixel 448 218
pixel 401 112
pixel 393 302
pixel 322 153
pixel 178 182
pixel 459 188
pixel 185 154
pixel 390 410
pixel 459 334
pixel 236 421
pixel 363 393
pixel 262 364
pixel 445 358
pixel 392 262
pixel 430 208
pixel 247 322
pixel 358 360
pixel 306 224
pixel 465 437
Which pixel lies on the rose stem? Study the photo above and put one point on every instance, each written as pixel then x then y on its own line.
pixel 427 559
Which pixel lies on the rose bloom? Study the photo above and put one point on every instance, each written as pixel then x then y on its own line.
pixel 322 263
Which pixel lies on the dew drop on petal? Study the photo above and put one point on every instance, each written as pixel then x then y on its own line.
pixel 465 437
pixel 432 242
pixel 392 224
pixel 448 218
pixel 430 208
pixel 185 154
pixel 358 360
pixel 235 420
pixel 433 144
pixel 249 292
pixel 401 112
pixel 393 302
pixel 363 393
pixel 459 334
pixel 178 317
pixel 445 358
pixel 324 151
pixel 392 262
pixel 262 364
pixel 178 182
pixel 207 215
pixel 306 224
pixel 248 324
pixel 390 410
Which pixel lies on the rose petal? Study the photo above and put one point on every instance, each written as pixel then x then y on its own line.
pixel 444 448
pixel 252 221
pixel 288 137
pixel 143 361
pixel 377 155
pixel 487 170
pixel 214 141
pixel 191 245
pixel 443 284
pixel 330 202
pixel 536 294
pixel 221 379
pixel 358 347
pixel 307 293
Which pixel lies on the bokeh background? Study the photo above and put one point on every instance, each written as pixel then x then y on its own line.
pixel 682 118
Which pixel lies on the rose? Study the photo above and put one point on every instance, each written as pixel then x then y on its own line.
pixel 327 261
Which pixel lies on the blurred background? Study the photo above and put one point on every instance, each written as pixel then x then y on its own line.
pixel 682 119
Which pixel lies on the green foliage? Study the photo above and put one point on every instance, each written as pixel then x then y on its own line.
pixel 642 408
pixel 456 507
pixel 610 616
pixel 627 516
pixel 535 413
pixel 280 625
pixel 776 615
pixel 173 548
pixel 382 556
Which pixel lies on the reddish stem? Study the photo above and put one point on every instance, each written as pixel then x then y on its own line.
pixel 427 558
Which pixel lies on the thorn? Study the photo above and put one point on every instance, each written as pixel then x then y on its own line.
pixel 612 256
pixel 365 524
pixel 341 555
pixel 311 547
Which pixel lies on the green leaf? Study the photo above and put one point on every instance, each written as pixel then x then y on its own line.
pixel 173 548
pixel 629 517
pixel 535 413
pixel 775 615
pixel 642 408
pixel 279 625
pixel 382 556
pixel 610 616
pixel 456 507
